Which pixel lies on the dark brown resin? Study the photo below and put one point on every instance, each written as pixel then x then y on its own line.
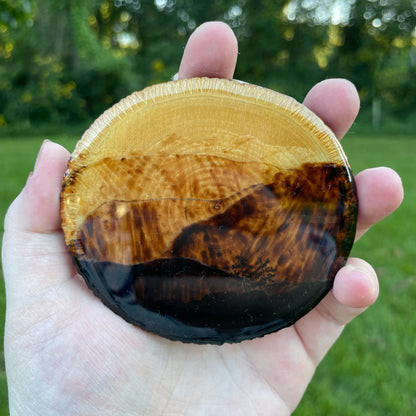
pixel 256 262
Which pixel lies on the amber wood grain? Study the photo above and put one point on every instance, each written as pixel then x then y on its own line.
pixel 209 211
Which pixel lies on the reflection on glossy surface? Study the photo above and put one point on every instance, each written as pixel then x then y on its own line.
pixel 206 234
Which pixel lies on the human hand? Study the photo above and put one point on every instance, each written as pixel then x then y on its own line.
pixel 67 354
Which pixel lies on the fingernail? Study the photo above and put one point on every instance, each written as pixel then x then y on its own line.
pixel 357 269
pixel 364 272
pixel 361 270
pixel 40 155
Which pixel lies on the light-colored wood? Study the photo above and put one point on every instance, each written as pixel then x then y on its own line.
pixel 167 140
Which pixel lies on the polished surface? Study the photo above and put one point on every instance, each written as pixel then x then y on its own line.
pixel 206 230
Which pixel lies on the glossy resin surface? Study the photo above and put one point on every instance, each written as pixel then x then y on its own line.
pixel 209 211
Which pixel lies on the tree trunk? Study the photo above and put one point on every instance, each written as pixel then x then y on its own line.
pixel 376 112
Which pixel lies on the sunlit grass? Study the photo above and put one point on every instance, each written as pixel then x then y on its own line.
pixel 370 370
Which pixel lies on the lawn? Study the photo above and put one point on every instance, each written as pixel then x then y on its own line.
pixel 371 369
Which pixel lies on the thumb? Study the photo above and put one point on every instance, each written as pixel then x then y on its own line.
pixel 36 209
pixel 34 254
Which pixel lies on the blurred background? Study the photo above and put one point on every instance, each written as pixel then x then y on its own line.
pixel 63 62
pixel 66 61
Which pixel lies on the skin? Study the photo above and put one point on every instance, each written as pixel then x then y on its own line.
pixel 67 354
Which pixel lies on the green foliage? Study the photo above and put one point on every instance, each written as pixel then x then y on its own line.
pixel 278 52
pixel 39 92
pixel 14 11
pixel 70 59
pixel 375 51
pixel 58 70
pixel 12 14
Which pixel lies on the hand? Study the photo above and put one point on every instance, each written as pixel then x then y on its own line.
pixel 67 354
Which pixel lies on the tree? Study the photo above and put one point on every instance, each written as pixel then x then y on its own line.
pixel 70 59
pixel 59 69
pixel 375 52
pixel 13 14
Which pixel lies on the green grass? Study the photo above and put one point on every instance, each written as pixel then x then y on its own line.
pixel 371 369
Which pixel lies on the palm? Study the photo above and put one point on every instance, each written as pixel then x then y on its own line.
pixel 74 343
pixel 66 353
pixel 71 339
